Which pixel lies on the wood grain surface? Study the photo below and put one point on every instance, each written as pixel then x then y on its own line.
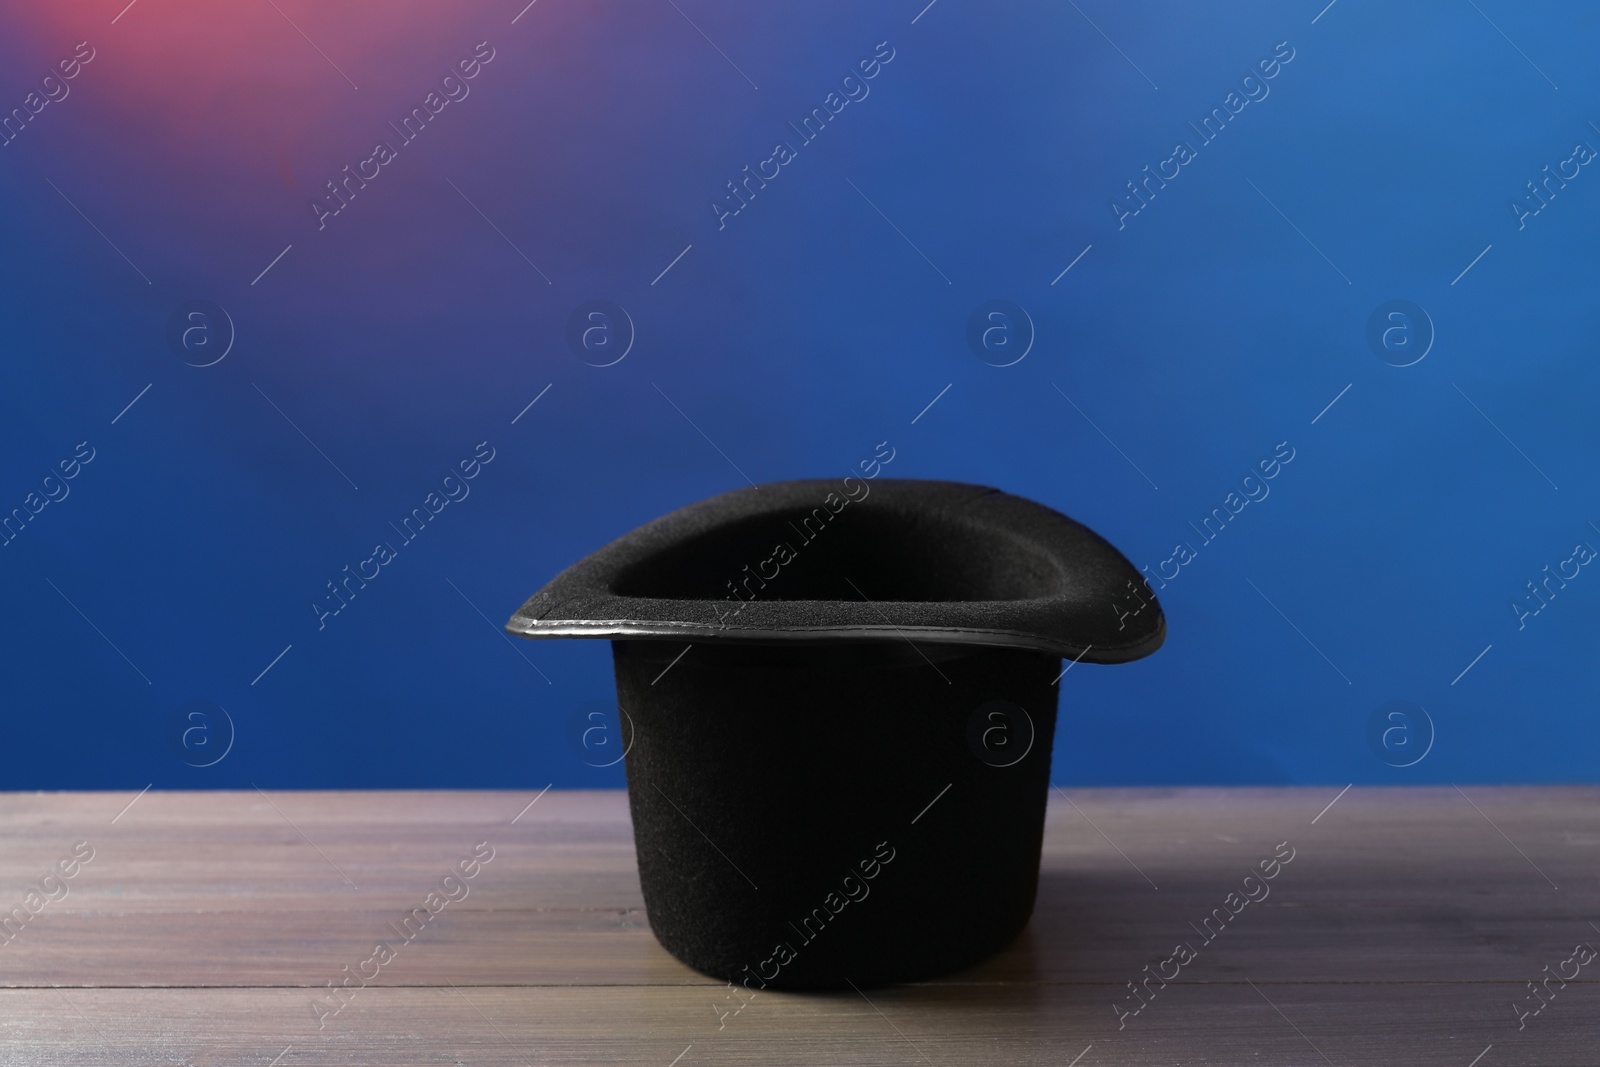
pixel 207 926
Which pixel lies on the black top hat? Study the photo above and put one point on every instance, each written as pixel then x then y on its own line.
pixel 843 689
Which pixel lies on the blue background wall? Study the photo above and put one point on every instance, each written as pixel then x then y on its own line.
pixel 159 615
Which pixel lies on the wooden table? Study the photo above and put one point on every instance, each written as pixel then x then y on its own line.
pixel 207 928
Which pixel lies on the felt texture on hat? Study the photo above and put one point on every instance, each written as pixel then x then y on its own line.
pixel 810 817
pixel 859 560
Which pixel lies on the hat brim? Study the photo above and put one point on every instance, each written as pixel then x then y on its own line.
pixel 859 561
